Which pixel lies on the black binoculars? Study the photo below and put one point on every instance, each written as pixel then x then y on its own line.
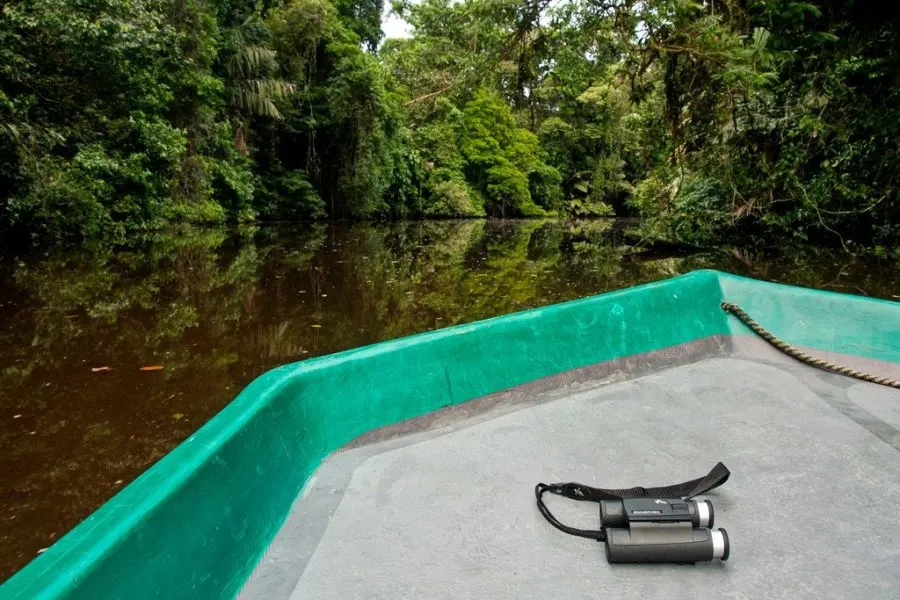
pixel 654 530
pixel 649 525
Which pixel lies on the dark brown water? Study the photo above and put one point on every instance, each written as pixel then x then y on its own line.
pixel 217 308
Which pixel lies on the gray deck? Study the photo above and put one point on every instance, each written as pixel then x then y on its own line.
pixel 812 507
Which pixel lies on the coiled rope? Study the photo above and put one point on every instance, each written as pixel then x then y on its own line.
pixel 821 363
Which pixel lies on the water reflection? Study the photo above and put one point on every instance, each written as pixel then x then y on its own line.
pixel 216 308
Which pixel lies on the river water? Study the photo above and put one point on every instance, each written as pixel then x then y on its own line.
pixel 204 312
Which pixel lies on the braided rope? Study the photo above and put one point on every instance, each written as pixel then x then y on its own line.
pixel 803 356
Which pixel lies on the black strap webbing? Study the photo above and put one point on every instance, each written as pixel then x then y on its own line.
pixel 577 491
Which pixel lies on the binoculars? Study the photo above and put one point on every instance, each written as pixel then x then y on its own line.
pixel 661 530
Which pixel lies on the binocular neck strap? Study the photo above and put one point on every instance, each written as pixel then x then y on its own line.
pixel 577 491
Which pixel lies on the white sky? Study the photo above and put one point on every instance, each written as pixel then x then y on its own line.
pixel 392 25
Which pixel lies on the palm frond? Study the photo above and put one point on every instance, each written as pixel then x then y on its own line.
pixel 257 96
pixel 248 60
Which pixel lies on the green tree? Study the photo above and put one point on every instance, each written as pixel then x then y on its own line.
pixel 756 121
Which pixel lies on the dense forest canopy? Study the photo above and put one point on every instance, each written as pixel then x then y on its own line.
pixel 758 120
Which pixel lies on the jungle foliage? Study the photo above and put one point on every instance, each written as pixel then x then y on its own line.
pixel 758 120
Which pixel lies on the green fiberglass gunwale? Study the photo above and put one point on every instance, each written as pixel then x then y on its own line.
pixel 196 523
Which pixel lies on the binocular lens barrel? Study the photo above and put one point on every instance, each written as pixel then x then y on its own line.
pixel 619 513
pixel 653 544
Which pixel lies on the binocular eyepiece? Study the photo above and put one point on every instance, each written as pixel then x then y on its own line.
pixel 667 530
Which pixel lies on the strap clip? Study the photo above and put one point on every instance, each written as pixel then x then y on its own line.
pixel 573 491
